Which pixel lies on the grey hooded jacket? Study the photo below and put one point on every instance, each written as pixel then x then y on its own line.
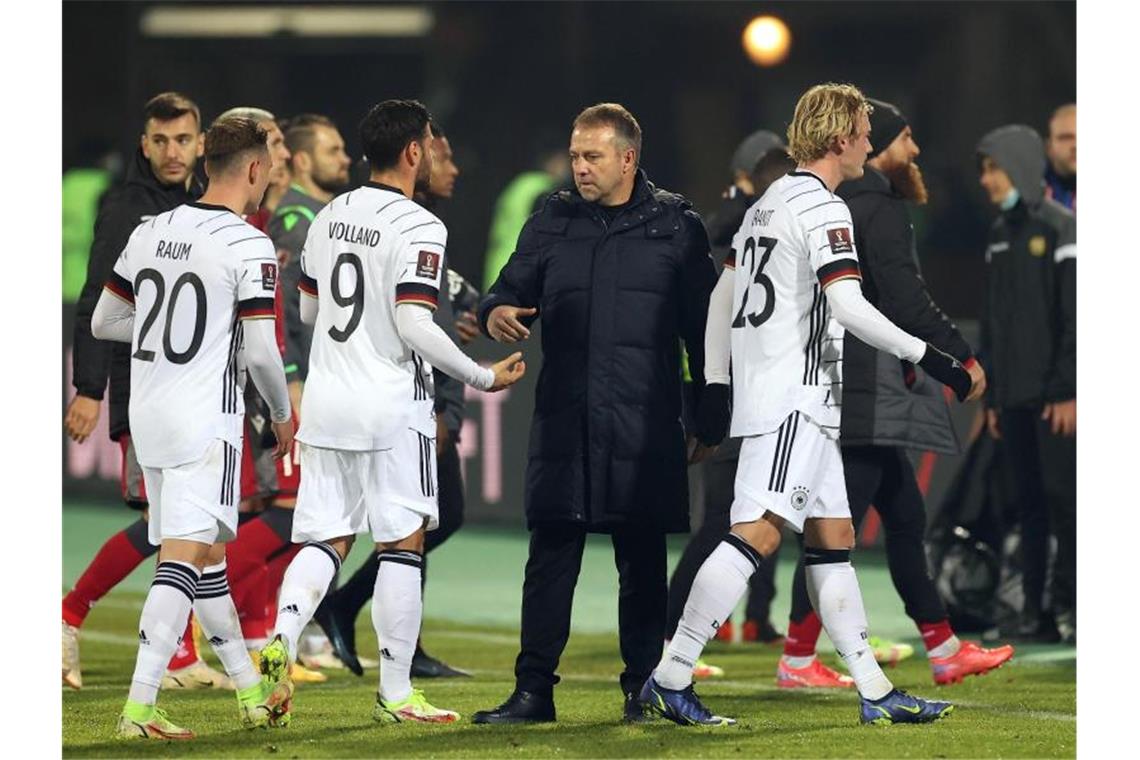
pixel 1029 328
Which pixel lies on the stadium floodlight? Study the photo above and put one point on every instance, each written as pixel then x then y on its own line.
pixel 767 40
pixel 298 20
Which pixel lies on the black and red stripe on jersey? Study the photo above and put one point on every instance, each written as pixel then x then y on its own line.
pixel 417 292
pixel 307 285
pixel 256 308
pixel 844 269
pixel 121 287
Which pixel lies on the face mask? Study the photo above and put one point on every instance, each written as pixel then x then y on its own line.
pixel 1010 200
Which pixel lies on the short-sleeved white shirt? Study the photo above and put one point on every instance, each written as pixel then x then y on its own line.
pixel 366 251
pixel 192 274
pixel 787 351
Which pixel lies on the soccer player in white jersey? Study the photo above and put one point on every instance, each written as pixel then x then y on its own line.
pixel 786 295
pixel 203 281
pixel 371 270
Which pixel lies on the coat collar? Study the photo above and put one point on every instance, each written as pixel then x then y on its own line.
pixel 644 203
pixel 872 181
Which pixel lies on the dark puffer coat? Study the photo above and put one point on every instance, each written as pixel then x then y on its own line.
pixel 123 208
pixel 607 445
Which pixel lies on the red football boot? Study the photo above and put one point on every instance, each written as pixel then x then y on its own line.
pixel 814 676
pixel 970 659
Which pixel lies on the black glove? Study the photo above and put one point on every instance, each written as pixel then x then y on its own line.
pixel 714 412
pixel 946 370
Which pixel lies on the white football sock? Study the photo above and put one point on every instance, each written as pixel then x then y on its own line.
pixel 397 610
pixel 834 592
pixel 161 624
pixel 947 648
pixel 717 588
pixel 798 662
pixel 219 620
pixel 305 584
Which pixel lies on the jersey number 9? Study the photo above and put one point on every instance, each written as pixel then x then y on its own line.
pixel 355 299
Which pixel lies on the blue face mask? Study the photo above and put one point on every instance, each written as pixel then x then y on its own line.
pixel 1011 199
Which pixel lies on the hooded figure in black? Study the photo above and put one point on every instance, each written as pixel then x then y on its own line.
pixel 618 272
pixel 1029 339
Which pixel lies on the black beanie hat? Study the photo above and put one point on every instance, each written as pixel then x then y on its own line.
pixel 887 123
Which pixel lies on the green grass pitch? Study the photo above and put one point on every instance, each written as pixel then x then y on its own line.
pixel 1025 709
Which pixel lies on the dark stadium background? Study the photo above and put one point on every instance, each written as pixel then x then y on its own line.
pixel 495 74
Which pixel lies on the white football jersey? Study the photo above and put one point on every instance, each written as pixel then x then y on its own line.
pixel 366 251
pixel 787 352
pixel 192 274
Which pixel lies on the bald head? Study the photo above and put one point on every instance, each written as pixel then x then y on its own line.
pixel 1061 146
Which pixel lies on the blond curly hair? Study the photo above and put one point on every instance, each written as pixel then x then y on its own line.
pixel 824 114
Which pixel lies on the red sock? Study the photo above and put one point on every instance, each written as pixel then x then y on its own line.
pixel 934 634
pixel 187 653
pixel 114 561
pixel 252 612
pixel 802 636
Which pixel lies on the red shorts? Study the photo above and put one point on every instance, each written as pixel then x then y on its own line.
pixel 131 482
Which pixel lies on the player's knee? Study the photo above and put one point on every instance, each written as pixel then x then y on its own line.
pixel 216 554
pixel 411 543
pixel 829 533
pixel 341 545
pixel 763 535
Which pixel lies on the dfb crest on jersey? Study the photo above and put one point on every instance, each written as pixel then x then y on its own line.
pixel 799 498
pixel 428 265
pixel 840 240
pixel 268 276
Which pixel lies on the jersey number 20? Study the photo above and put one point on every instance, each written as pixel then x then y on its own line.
pixel 187 279
pixel 756 274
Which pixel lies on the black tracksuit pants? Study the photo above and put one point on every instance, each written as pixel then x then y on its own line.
pixel 883 476
pixel 1044 469
pixel 548 592
pixel 718 482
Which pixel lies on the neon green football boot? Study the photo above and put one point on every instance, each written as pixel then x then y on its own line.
pixel 415 709
pixel 139 721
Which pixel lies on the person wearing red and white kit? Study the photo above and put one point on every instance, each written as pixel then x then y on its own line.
pixel 883 398
pixel 160 178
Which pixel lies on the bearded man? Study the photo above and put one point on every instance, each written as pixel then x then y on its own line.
pixel 889 405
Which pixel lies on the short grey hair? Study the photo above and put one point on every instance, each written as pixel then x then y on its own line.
pixel 248 112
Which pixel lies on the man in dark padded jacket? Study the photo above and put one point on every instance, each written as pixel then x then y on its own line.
pixel 618 271
pixel 1029 335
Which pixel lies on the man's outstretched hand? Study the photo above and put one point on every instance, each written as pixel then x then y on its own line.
pixel 504 326
pixel 508 371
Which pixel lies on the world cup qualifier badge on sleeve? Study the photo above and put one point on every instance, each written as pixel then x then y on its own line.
pixel 840 240
pixel 268 276
pixel 428 265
